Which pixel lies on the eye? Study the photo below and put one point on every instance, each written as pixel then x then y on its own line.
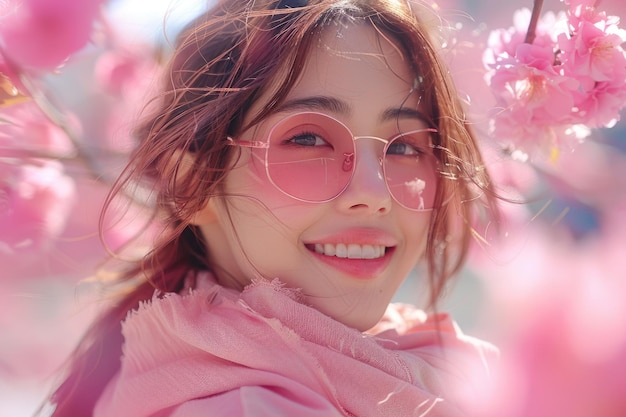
pixel 411 144
pixel 398 147
pixel 307 139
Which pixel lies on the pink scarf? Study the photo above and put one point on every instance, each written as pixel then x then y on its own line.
pixel 214 340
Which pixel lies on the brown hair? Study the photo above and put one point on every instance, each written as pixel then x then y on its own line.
pixel 223 61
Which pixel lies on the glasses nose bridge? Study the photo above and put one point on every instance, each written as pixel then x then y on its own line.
pixel 367 161
pixel 367 186
pixel 380 152
pixel 377 138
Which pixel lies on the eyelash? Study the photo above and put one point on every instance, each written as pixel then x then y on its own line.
pixel 291 140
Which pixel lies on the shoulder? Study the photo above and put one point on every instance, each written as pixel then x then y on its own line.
pixel 413 329
pixel 406 320
pixel 439 354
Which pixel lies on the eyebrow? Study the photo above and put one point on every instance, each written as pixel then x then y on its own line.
pixel 395 113
pixel 315 103
pixel 334 105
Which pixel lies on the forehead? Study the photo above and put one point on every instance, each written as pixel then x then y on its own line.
pixel 358 67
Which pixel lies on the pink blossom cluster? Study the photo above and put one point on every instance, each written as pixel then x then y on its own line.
pixel 70 86
pixel 556 83
pixel 35 192
pixel 559 306
pixel 42 34
pixel 34 200
pixel 43 142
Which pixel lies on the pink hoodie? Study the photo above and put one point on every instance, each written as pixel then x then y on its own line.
pixel 262 352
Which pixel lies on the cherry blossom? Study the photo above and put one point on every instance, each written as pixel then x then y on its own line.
pixel 601 106
pixel 575 4
pixel 594 51
pixel 26 128
pixel 34 202
pixel 552 87
pixel 126 74
pixel 44 33
pixel 554 302
pixel 503 42
pixel 531 96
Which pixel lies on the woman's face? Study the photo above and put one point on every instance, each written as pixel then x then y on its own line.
pixel 358 77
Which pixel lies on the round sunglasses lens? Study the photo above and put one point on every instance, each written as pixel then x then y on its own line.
pixel 310 156
pixel 411 169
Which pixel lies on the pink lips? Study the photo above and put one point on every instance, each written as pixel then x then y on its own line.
pixel 357 268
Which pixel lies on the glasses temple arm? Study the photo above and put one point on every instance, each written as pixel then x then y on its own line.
pixel 247 143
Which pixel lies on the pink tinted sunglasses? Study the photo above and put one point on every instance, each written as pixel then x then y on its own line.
pixel 311 157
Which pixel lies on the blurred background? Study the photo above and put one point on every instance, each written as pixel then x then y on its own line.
pixel 549 289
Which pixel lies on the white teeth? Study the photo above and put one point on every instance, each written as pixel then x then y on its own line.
pixel 355 252
pixel 369 252
pixel 351 251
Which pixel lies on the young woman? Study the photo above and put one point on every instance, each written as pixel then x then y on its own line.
pixel 305 157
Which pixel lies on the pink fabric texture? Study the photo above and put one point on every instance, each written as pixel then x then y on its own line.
pixel 216 352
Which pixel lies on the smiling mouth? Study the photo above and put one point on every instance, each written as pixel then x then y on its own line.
pixel 349 251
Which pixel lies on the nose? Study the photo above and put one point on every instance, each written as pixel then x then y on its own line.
pixel 367 192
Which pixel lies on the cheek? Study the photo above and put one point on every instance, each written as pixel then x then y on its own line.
pixel 416 226
pixel 249 179
pixel 253 194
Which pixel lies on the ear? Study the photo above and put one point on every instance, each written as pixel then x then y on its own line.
pixel 205 216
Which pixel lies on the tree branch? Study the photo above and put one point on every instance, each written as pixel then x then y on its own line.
pixel 534 19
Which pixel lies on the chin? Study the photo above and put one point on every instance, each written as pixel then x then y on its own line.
pixel 363 322
pixel 358 312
